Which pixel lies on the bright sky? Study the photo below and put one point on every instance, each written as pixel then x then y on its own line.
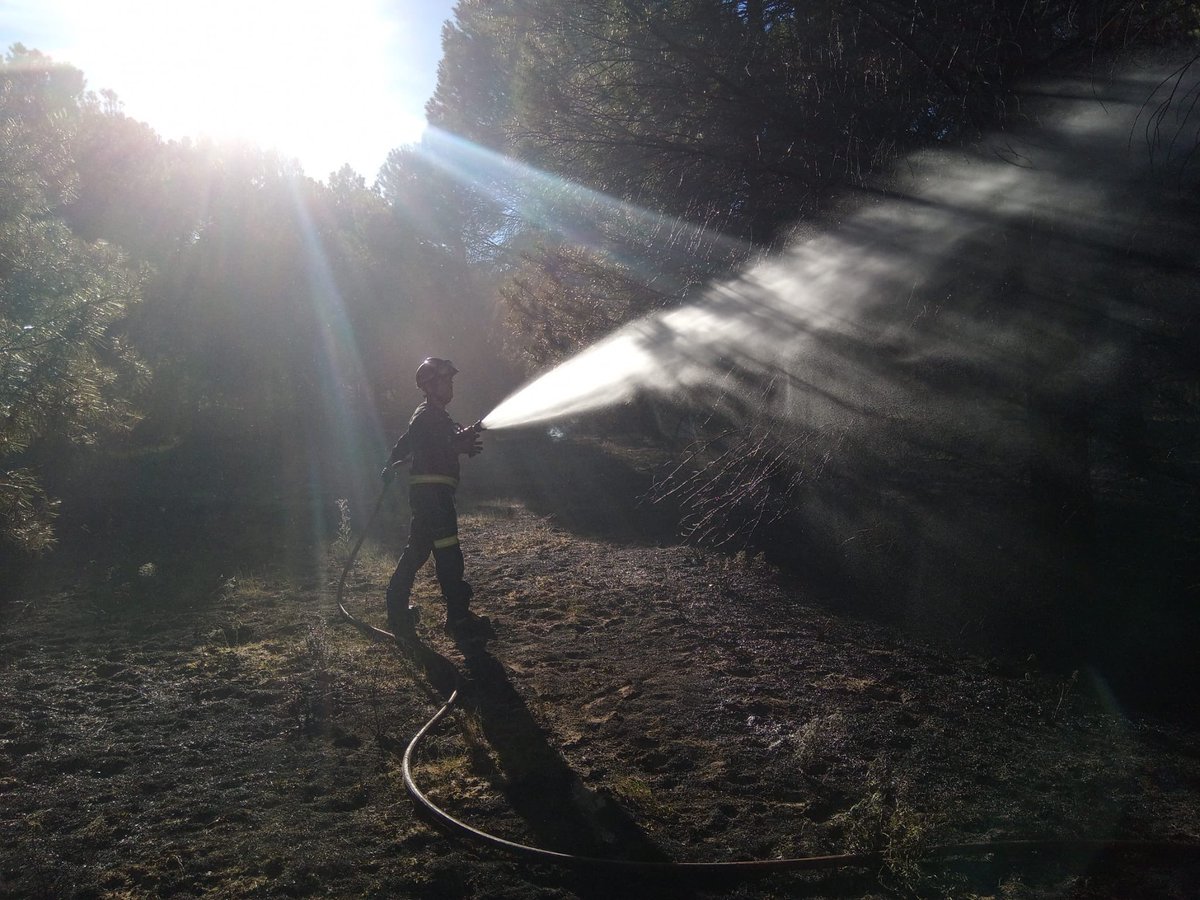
pixel 326 81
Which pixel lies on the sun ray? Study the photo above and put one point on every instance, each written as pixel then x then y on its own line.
pixel 640 239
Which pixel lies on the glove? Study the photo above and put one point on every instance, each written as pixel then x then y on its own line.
pixel 468 441
pixel 388 474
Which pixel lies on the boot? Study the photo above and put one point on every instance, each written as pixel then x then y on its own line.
pixel 404 625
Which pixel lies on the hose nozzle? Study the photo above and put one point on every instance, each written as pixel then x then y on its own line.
pixel 469 439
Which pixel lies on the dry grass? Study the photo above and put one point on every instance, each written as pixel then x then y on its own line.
pixel 635 698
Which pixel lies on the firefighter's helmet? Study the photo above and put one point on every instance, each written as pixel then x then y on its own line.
pixel 433 368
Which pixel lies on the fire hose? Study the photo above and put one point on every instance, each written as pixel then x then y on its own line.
pixel 1166 850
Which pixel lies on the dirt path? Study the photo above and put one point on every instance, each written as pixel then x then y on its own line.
pixel 637 701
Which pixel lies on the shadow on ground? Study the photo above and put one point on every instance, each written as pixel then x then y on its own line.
pixel 562 813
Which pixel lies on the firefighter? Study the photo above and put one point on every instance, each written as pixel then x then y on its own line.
pixel 435 442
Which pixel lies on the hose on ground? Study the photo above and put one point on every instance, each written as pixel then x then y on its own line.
pixel 1166 850
pixel 341 588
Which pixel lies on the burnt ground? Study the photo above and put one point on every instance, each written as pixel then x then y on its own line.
pixel 641 699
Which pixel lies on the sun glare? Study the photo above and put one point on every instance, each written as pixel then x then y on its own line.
pixel 310 79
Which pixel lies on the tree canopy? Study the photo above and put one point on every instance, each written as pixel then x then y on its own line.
pixel 735 116
pixel 591 162
pixel 200 295
pixel 67 368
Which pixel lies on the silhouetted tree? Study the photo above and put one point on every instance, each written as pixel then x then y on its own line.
pixel 740 117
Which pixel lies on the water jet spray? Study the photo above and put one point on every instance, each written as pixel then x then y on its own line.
pixel 932 307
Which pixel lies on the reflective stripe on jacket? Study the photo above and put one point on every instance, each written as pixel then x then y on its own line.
pixel 433 479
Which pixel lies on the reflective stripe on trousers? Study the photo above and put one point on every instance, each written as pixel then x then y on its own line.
pixel 434 530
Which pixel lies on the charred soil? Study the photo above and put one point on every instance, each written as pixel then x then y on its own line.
pixel 640 700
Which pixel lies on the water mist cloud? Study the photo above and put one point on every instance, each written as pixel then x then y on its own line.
pixel 938 300
pixel 969 403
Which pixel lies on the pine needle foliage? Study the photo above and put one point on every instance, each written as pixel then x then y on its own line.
pixel 66 370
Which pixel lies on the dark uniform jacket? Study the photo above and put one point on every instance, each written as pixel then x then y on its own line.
pixel 432 440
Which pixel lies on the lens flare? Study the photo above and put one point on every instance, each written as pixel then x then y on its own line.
pixel 341 374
